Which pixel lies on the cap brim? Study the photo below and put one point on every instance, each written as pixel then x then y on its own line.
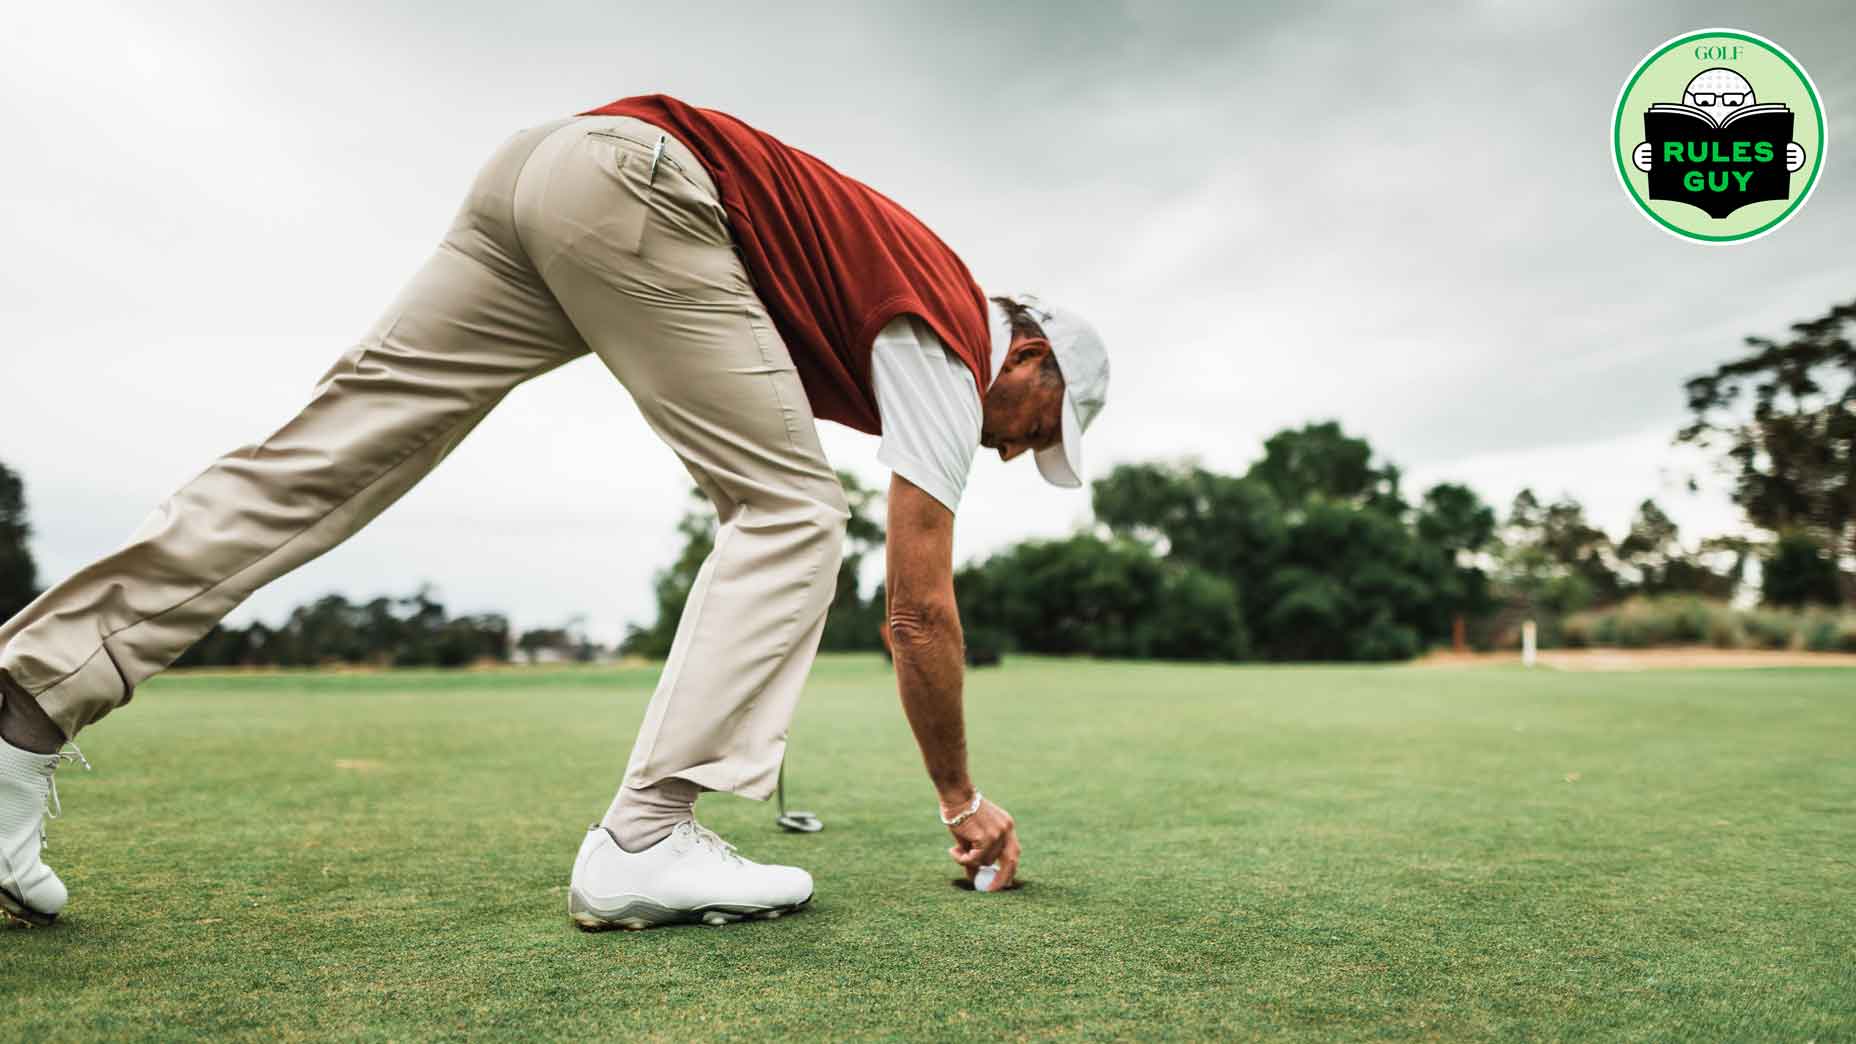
pixel 1062 464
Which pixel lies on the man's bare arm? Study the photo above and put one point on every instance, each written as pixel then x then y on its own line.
pixel 924 635
pixel 925 638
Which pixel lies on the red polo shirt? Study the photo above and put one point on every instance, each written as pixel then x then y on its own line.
pixel 831 258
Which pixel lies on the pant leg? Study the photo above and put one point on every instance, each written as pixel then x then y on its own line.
pixel 643 264
pixel 472 324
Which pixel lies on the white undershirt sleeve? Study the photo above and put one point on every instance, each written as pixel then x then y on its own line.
pixel 929 406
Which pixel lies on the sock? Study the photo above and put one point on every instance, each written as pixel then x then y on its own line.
pixel 23 723
pixel 642 816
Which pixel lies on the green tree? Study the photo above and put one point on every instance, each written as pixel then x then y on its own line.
pixel 1085 595
pixel 536 640
pixel 410 631
pixel 1727 557
pixel 1321 461
pixel 19 574
pixel 1800 571
pixel 329 630
pixel 1784 418
pixel 1227 526
pixel 1662 564
pixel 1552 559
pixel 1315 540
pixel 1353 583
pixel 1455 521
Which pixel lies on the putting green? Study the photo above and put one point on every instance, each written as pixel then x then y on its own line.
pixel 1237 852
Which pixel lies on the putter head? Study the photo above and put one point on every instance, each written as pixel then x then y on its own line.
pixel 800 822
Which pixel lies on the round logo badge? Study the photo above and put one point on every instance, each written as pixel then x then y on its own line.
pixel 1719 136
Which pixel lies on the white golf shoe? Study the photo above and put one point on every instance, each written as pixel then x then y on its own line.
pixel 691 876
pixel 29 890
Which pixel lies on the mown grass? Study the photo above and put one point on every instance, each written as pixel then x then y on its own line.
pixel 1210 852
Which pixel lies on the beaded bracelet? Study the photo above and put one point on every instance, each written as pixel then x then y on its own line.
pixel 964 816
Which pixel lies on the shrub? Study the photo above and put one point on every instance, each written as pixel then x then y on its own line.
pixel 1725 631
pixel 1642 623
pixel 1692 620
pixel 1605 630
pixel 1819 631
pixel 1771 628
pixel 985 647
pixel 1577 631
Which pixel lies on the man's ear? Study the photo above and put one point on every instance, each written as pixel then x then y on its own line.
pixel 1029 350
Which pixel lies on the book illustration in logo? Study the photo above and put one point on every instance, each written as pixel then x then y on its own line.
pixel 1718 149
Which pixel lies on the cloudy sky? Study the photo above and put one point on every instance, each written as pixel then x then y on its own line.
pixel 1401 216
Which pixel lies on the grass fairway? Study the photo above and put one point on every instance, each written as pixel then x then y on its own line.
pixel 1210 852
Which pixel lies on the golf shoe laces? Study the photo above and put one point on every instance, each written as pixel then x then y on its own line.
pixel 53 809
pixel 712 840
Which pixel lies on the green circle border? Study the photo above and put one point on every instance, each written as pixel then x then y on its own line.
pixel 1817 108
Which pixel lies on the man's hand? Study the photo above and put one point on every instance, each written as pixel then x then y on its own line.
pixel 1640 156
pixel 988 836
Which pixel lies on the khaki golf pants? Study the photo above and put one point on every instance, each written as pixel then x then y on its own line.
pixel 573 238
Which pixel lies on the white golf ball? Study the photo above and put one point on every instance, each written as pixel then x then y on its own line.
pixel 982 882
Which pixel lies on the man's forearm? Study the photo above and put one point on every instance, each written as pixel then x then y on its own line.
pixel 930 669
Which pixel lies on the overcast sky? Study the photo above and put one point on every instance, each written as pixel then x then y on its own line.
pixel 1404 219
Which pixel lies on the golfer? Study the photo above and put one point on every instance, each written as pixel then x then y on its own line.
pixel 741 290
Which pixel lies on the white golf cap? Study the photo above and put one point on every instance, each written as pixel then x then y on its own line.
pixel 1083 360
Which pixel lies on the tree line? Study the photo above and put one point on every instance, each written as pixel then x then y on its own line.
pixel 415 630
pixel 1316 551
